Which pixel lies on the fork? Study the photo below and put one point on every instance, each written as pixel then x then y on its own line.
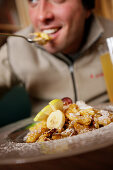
pixel 32 38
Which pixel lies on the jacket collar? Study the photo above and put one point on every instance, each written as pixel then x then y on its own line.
pixel 96 30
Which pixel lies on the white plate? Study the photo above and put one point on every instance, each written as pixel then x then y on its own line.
pixel 13 151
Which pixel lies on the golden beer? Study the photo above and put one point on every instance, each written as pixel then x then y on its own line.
pixel 107 65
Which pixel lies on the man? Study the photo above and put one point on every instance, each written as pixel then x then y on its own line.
pixel 70 64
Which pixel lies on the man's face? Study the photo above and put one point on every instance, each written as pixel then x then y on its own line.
pixel 64 20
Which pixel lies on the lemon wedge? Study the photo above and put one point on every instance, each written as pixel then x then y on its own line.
pixel 43 114
pixel 56 104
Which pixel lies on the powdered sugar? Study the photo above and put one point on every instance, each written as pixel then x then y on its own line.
pixel 104 113
pixel 82 105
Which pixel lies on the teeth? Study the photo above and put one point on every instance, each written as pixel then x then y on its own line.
pixel 50 31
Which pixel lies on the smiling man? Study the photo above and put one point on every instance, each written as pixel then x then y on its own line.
pixel 63 19
pixel 70 64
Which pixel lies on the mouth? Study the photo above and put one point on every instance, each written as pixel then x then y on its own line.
pixel 52 32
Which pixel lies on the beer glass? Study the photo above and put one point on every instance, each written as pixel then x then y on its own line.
pixel 107 65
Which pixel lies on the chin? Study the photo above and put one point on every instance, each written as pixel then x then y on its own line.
pixel 54 48
pixel 51 49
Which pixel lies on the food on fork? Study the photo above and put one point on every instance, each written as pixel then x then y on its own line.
pixel 63 118
pixel 40 37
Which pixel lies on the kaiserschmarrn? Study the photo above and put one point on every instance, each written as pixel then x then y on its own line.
pixel 62 118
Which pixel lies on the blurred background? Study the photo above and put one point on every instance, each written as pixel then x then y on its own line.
pixel 14 14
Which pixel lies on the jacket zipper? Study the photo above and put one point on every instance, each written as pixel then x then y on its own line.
pixel 70 65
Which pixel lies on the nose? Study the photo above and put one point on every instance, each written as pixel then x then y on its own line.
pixel 44 13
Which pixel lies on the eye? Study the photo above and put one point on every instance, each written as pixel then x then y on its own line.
pixel 58 1
pixel 33 2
